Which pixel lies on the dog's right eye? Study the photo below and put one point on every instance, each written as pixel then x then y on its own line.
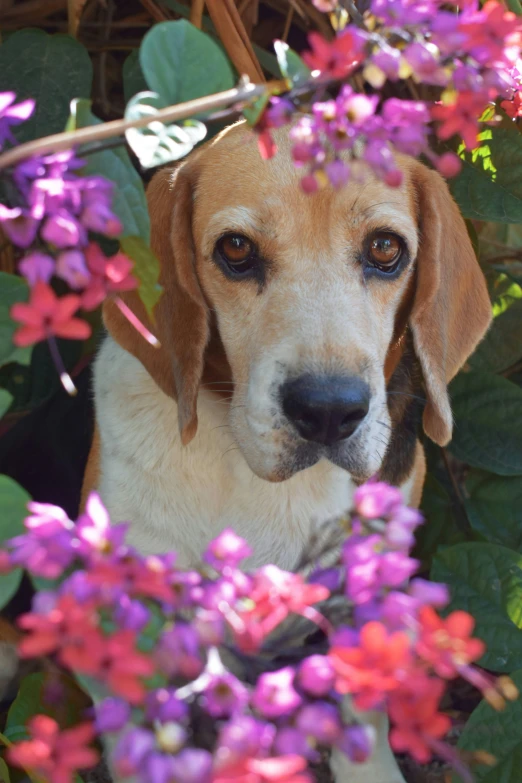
pixel 238 253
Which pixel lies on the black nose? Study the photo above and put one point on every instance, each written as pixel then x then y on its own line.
pixel 325 409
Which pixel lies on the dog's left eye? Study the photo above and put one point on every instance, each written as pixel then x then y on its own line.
pixel 238 252
pixel 384 251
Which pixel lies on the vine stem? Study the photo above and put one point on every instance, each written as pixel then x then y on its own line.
pixel 245 91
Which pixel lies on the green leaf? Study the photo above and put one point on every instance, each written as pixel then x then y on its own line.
pixel 502 346
pixel 13 511
pixel 32 700
pixel 497 733
pixel 488 422
pixel 181 63
pixel 515 6
pixel 4 772
pixel 494 508
pixel 51 69
pixel 129 201
pixel 440 527
pixel 489 187
pixel 146 269
pixel 5 401
pixel 12 289
pixel 291 65
pixel 133 78
pixel 486 580
pixel 158 143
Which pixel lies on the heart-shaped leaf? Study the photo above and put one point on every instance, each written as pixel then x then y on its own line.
pixel 13 505
pixel 494 507
pixel 486 580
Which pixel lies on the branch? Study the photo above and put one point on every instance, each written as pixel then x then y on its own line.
pixel 64 141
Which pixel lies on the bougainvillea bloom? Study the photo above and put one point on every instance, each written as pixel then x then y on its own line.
pixel 54 754
pixel 45 315
pixel 447 644
pixel 374 667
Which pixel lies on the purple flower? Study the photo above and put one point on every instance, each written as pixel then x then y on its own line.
pixel 18 225
pixel 338 173
pixel 357 742
pixel 47 549
pixel 395 568
pixel 163 705
pixel 431 593
pixel 320 721
pixel 131 751
pixel 129 614
pixel 290 740
pixel 191 765
pixel 36 266
pixel 388 60
pixel 63 230
pixel 316 675
pixel 112 715
pixel 95 531
pixel 375 499
pixel 178 652
pixel 71 267
pixel 244 736
pixel 12 114
pixel 224 695
pixel 209 626
pixel 405 12
pixel 275 695
pixel 228 549
pixel 425 64
pixel 331 578
pixel 398 610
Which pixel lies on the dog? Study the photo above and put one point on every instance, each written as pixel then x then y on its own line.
pixel 303 340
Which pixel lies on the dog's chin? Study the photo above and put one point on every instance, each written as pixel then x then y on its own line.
pixel 303 455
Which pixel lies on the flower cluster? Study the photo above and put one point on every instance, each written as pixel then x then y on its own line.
pixel 55 211
pixel 149 635
pixel 460 56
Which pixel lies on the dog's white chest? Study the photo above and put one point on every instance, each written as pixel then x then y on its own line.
pixel 180 497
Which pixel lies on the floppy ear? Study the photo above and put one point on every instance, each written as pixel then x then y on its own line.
pixel 451 310
pixel 181 313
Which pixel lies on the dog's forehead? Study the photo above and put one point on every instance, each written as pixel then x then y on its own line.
pixel 233 177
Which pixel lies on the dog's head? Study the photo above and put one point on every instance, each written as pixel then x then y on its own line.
pixel 296 306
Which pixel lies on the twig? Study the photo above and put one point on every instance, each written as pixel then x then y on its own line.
pixel 196 13
pixel 288 22
pixel 354 12
pixel 68 139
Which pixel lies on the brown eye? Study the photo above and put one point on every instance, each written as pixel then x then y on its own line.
pixel 237 251
pixel 385 251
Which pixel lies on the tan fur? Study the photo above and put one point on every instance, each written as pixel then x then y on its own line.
pixel 191 437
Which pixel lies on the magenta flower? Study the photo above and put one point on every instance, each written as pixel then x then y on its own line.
pixel 244 736
pixel 132 750
pixel 275 695
pixel 319 720
pixel 163 705
pixel 375 499
pixel 316 675
pixel 47 549
pixel 191 765
pixel 357 742
pixel 224 695
pixel 71 267
pixel 12 113
pixel 228 549
pixel 18 225
pixel 178 652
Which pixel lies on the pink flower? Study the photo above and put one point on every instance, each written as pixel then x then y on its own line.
pixel 460 117
pixel 108 275
pixel 45 315
pixel 416 719
pixel 12 113
pixel 54 754
pixel 275 695
pixel 513 108
pixel 228 549
pixel 71 267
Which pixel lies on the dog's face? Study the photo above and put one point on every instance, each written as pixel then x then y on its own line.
pixel 306 290
pixel 310 295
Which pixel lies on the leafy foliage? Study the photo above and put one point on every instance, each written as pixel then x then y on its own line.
pixel 51 69
pixel 13 502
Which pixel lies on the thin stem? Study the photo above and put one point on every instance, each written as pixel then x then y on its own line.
pixel 68 139
pixel 65 378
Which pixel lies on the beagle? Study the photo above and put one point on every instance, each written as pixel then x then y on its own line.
pixel 303 339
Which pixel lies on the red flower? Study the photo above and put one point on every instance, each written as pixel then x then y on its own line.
pixel 122 666
pixel 108 276
pixel 283 769
pixel 274 595
pixel 335 59
pixel 55 755
pixel 68 627
pixel 46 315
pixel 138 578
pixel 513 108
pixel 413 710
pixel 460 117
pixel 490 31
pixel 446 644
pixel 373 668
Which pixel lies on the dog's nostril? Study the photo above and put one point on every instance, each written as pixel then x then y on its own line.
pixel 325 409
